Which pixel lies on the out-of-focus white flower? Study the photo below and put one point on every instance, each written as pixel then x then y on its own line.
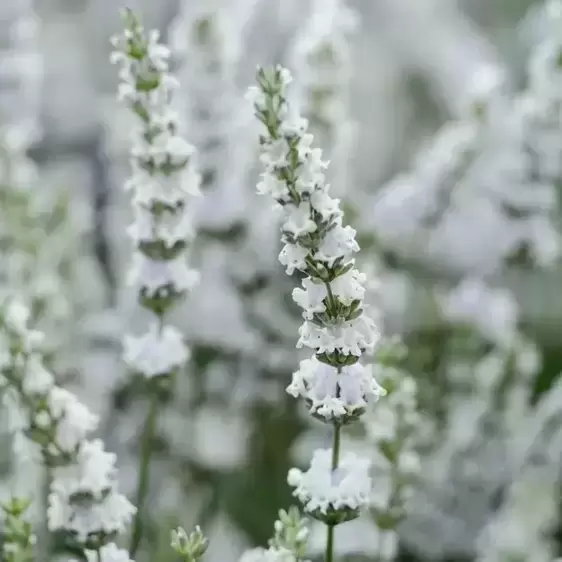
pixel 153 277
pixel 493 312
pixel 157 352
pixel 73 420
pixel 83 497
pixel 164 177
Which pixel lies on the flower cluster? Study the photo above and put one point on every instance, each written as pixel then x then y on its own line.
pixel 335 327
pixel 492 312
pixel 189 547
pixel 163 178
pixel 18 538
pixel 332 394
pixel 331 494
pixel 84 500
pixel 289 542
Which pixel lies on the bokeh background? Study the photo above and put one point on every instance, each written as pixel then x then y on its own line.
pixel 471 285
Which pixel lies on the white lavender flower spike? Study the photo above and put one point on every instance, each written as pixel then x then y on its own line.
pixel 84 501
pixel 164 174
pixel 336 327
pixel 163 180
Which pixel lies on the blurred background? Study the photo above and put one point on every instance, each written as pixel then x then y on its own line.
pixel 442 121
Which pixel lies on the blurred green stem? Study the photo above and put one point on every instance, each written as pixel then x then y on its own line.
pixel 144 473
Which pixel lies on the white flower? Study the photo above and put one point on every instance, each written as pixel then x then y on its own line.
pixel 74 420
pixel 16 316
pixel 158 352
pixel 339 243
pixel 275 154
pixel 295 126
pixel 349 286
pixel 271 185
pixel 165 148
pixel 321 488
pixel 311 298
pixel 332 394
pixel 324 204
pixel 285 75
pixel 350 337
pixel 93 472
pixel 111 515
pixel 37 379
pixel 491 311
pixel 166 189
pixel 310 159
pixel 298 221
pixel 151 276
pixel 170 227
pixel 293 257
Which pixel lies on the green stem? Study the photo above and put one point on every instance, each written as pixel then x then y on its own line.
pixel 335 461
pixel 330 544
pixel 332 302
pixel 336 446
pixel 144 473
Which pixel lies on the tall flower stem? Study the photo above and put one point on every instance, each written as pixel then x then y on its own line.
pixel 144 472
pixel 336 386
pixel 163 177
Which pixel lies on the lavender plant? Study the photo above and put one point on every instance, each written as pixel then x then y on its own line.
pixel 164 177
pixel 51 426
pixel 334 384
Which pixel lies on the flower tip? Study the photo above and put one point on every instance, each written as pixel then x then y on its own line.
pixel 294 477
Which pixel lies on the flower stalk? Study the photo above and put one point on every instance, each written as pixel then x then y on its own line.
pixel 50 424
pixel 334 384
pixel 164 177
